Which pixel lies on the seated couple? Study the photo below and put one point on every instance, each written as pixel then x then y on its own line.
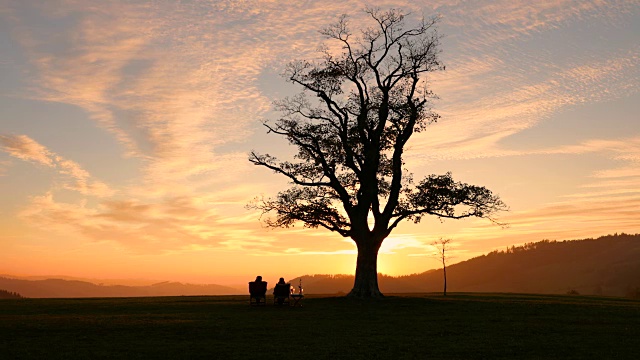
pixel 258 290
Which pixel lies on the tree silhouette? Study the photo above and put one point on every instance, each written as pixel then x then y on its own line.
pixel 442 246
pixel 4 294
pixel 350 125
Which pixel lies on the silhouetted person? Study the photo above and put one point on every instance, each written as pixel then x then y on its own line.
pixel 281 291
pixel 258 290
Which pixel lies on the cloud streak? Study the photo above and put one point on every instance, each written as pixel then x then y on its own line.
pixel 78 179
pixel 25 148
pixel 475 128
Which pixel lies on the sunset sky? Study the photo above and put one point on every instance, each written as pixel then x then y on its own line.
pixel 125 128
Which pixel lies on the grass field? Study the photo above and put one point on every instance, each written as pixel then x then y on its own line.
pixel 460 326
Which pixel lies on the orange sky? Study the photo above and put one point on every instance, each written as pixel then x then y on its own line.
pixel 125 128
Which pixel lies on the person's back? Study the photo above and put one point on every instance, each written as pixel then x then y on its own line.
pixel 281 291
pixel 257 290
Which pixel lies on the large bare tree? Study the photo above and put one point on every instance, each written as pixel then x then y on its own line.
pixel 350 125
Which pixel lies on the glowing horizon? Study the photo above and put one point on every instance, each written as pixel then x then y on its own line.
pixel 125 128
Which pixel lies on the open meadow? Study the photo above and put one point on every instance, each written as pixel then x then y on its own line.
pixel 416 326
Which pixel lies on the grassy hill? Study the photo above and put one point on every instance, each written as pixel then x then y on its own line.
pixel 609 265
pixel 419 326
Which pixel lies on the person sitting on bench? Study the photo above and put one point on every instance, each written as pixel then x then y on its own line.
pixel 281 292
pixel 258 291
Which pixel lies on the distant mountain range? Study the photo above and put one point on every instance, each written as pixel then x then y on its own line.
pixel 125 282
pixel 59 288
pixel 609 265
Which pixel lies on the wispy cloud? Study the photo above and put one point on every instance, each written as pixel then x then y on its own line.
pixel 494 87
pixel 618 173
pixel 25 148
pixel 414 242
pixel 170 225
pixel 301 252
pixel 608 202
pixel 474 128
pixel 487 23
pixel 622 149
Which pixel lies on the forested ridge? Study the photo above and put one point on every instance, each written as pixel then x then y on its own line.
pixel 608 265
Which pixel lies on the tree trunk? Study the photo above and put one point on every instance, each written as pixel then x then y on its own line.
pixel 366 280
pixel 444 270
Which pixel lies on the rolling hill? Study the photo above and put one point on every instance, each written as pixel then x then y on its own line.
pixel 609 265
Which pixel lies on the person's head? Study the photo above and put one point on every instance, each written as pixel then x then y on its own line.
pixel 258 278
pixel 281 281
